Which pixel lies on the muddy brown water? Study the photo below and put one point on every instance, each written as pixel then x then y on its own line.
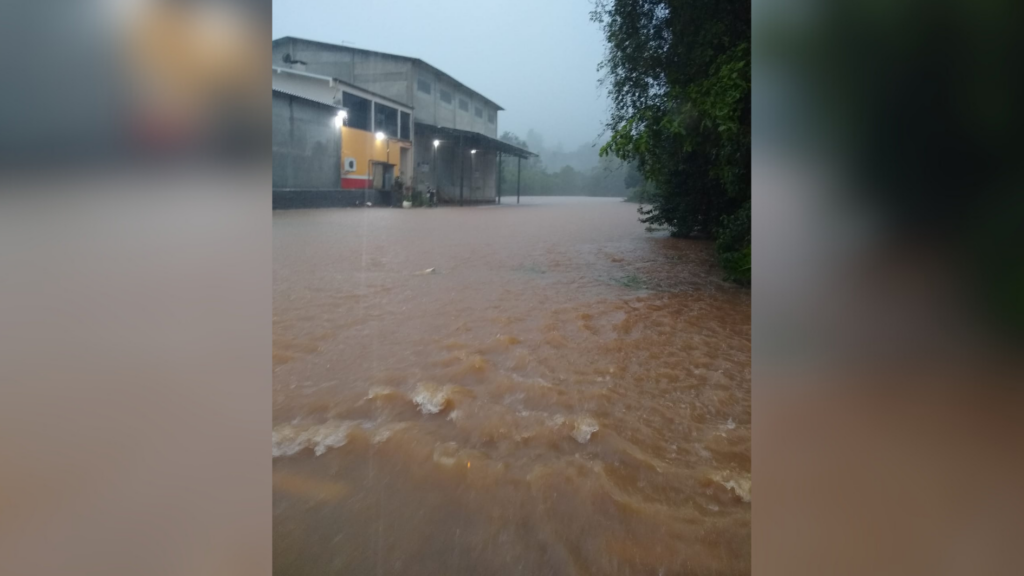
pixel 564 393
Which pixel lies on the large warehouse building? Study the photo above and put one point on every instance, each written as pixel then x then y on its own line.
pixel 373 116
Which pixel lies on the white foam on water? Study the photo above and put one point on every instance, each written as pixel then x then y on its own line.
pixel 730 424
pixel 387 430
pixel 738 483
pixel 585 426
pixel 289 439
pixel 430 398
pixel 376 391
pixel 446 454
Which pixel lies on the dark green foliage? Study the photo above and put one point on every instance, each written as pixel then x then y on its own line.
pixel 678 73
pixel 733 244
pixel 633 177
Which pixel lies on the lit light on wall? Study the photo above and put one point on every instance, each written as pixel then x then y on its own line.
pixel 380 136
pixel 472 151
pixel 339 120
pixel 437 143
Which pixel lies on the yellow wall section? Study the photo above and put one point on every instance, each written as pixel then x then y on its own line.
pixel 364 147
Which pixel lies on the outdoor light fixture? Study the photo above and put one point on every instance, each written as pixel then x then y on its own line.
pixel 339 120
pixel 437 143
pixel 380 136
pixel 472 151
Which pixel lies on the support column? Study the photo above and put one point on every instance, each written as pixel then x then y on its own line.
pixel 519 176
pixel 462 169
pixel 499 177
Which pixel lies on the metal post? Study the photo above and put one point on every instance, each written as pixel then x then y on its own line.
pixel 519 175
pixel 462 169
pixel 499 177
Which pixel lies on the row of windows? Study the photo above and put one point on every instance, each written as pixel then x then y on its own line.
pixel 391 121
pixel 427 88
pixel 388 119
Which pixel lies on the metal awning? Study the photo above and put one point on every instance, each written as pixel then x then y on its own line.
pixel 472 139
pixel 308 98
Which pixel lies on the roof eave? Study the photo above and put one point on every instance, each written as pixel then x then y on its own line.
pixel 410 58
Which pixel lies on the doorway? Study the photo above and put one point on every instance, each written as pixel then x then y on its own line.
pixel 383 176
pixel 383 181
pixel 405 161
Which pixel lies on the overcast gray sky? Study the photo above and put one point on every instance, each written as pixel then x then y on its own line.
pixel 536 58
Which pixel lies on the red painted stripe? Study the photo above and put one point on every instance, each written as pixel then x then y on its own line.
pixel 355 183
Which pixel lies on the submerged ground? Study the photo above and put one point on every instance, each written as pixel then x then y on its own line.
pixel 563 394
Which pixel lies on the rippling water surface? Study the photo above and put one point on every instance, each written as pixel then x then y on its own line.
pixel 562 394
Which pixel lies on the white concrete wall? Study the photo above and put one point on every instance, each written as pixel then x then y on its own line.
pixel 314 88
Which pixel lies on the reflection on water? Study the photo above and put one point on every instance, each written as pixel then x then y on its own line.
pixel 563 394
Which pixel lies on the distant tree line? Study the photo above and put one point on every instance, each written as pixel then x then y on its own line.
pixel 607 176
pixel 678 76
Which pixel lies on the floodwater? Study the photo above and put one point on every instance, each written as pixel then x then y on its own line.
pixel 564 393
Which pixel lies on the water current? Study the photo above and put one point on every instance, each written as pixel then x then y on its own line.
pixel 541 388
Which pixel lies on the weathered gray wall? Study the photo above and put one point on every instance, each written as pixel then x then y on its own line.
pixel 319 60
pixel 393 77
pixel 306 145
pixel 481 172
pixel 485 179
pixel 386 75
pixel 430 109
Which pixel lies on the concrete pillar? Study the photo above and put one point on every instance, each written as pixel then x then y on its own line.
pixel 519 176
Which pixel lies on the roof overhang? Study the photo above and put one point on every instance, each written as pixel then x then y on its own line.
pixel 327 82
pixel 307 97
pixel 473 139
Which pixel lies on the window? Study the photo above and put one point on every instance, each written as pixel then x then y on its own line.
pixel 478 111
pixel 490 116
pixel 406 133
pixel 463 104
pixel 385 119
pixel 423 85
pixel 446 96
pixel 358 111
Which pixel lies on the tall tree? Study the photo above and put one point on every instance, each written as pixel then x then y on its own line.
pixel 678 74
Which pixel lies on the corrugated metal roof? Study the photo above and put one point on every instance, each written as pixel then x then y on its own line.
pixel 474 139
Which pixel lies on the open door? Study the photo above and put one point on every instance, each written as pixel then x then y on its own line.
pixel 404 160
pixel 383 176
